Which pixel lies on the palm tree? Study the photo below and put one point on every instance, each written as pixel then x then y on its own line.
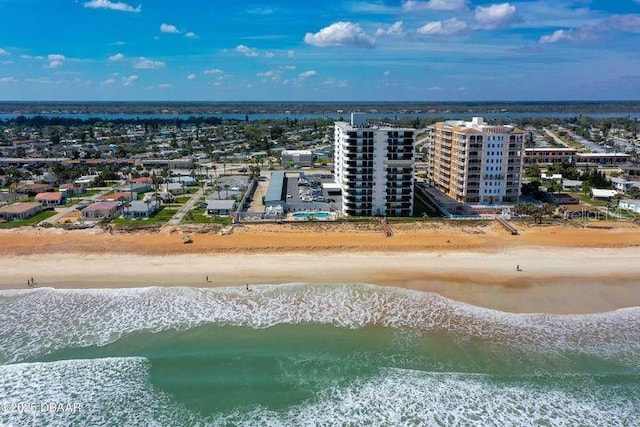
pixel 226 189
pixel 216 187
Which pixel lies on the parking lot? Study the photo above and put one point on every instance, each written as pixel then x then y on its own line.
pixel 306 193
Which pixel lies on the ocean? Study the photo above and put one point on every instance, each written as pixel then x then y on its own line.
pixel 303 354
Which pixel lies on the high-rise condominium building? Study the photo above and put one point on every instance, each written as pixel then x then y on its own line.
pixel 374 167
pixel 476 163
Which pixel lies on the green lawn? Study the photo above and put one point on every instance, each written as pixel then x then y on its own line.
pixel 197 216
pixel 182 199
pixel 589 201
pixel 31 221
pixel 161 217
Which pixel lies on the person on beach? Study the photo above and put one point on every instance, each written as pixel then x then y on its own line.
pixel 518 267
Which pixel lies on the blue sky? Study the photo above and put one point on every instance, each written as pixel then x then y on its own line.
pixel 376 50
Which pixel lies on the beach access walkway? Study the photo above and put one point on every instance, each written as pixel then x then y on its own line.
pixel 178 216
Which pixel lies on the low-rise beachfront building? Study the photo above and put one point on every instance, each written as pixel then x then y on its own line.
pixel 139 209
pixel 374 166
pixel 102 210
pixel 601 158
pixel 603 194
pixel 221 207
pixel 545 156
pixel 297 158
pixel 632 205
pixel 52 198
pixel 20 210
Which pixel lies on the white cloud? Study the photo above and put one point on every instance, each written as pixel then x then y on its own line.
pixel 629 23
pixel 116 57
pixel 246 51
pixel 307 74
pixel 212 71
pixel 147 64
pixel 269 54
pixel 496 15
pixel 443 28
pixel 118 43
pixel 386 73
pixel 164 86
pixel 394 30
pixel 273 75
pixel 8 80
pixel 128 81
pixel 291 54
pixel 3 52
pixel 106 4
pixel 416 6
pixel 169 28
pixel 263 11
pixel 107 82
pixel 191 76
pixel 190 34
pixel 558 36
pixel 340 34
pixel 55 60
pixel 435 88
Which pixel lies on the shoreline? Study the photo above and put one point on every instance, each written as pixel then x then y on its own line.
pixel 564 270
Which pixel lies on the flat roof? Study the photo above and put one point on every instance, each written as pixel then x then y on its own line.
pixel 296 152
pixel 331 186
pixel 276 189
pixel 602 155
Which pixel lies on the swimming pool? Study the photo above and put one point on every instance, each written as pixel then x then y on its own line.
pixel 309 215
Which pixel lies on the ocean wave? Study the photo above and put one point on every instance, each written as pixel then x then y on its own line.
pixel 40 321
pixel 97 392
pixel 402 397
pixel 117 391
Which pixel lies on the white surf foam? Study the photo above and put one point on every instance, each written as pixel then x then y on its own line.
pixel 40 321
pixel 98 392
pixel 410 398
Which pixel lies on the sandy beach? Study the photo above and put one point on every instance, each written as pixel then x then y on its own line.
pixel 565 269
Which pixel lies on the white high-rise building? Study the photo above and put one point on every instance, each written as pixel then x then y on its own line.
pixel 374 167
pixel 476 163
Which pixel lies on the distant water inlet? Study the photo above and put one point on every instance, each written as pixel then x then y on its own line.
pixel 322 216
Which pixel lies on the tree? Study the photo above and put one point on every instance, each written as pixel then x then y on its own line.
pixel 532 171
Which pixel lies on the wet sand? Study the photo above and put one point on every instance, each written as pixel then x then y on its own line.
pixel 565 269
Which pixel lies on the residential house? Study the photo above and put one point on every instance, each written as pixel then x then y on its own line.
pixel 571 185
pixel 562 199
pixel 622 185
pixel 135 187
pixel 221 207
pixel 21 210
pixel 52 198
pixel 33 189
pixel 632 205
pixel 118 196
pixel 139 209
pixel 601 194
pixel 102 210
pixel 73 188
